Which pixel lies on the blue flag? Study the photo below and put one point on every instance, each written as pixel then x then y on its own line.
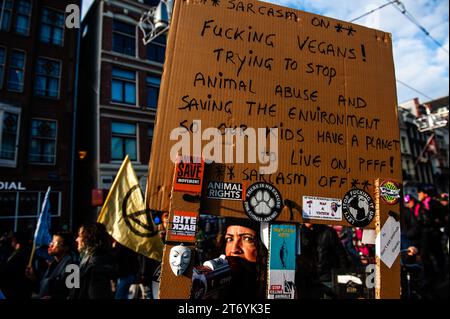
pixel 42 234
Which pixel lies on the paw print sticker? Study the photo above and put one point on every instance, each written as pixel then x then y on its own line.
pixel 263 202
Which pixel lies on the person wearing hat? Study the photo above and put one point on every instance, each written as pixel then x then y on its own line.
pixel 13 282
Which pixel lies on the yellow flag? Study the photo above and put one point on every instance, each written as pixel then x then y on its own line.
pixel 126 218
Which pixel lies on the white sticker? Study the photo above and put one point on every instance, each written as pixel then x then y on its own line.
pixel 368 237
pixel 388 242
pixel 322 208
pixel 281 284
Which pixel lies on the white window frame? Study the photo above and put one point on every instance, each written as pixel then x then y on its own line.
pixel 10 109
pixel 41 196
pixel 136 86
pixel 138 155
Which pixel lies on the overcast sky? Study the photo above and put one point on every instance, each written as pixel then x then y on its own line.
pixel 419 62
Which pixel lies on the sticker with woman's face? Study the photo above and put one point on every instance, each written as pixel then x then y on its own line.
pixel 179 259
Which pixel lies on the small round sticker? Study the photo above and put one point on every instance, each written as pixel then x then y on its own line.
pixel 358 207
pixel 390 192
pixel 263 202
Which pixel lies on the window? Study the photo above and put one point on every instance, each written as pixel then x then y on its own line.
pixel 43 142
pixel 124 38
pixel 27 204
pixel 47 78
pixel 123 141
pixel 2 64
pixel 150 136
pixel 152 84
pixel 8 204
pixel 23 17
pixel 16 71
pixel 156 50
pixel 9 135
pixel 5 14
pixel 52 27
pixel 123 88
pixel 403 147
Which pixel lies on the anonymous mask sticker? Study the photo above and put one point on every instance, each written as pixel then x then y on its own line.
pixel 179 259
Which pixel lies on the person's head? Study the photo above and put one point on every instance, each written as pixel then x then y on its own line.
pixel 245 253
pixel 93 237
pixel 409 201
pixel 19 240
pixel 241 241
pixel 444 199
pixel 165 220
pixel 334 207
pixel 422 193
pixel 162 228
pixel 61 244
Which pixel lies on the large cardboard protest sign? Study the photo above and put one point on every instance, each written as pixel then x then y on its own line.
pixel 327 86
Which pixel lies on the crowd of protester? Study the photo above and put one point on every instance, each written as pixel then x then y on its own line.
pixel 106 269
pixel 109 270
pixel 425 244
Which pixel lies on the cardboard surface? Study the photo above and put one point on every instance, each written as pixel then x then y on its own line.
pixel 387 280
pixel 171 286
pixel 327 85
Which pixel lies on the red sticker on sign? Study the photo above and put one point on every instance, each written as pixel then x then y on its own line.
pixel 189 175
pixel 183 226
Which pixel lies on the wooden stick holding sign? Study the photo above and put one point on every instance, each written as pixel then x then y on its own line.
pixel 176 268
pixel 387 196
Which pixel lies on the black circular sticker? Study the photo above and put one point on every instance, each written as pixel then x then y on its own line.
pixel 263 202
pixel 358 207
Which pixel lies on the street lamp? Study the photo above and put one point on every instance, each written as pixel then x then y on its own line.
pixel 431 122
pixel 156 21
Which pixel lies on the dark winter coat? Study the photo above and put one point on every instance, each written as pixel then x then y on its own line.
pixel 13 282
pixel 96 273
pixel 53 283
